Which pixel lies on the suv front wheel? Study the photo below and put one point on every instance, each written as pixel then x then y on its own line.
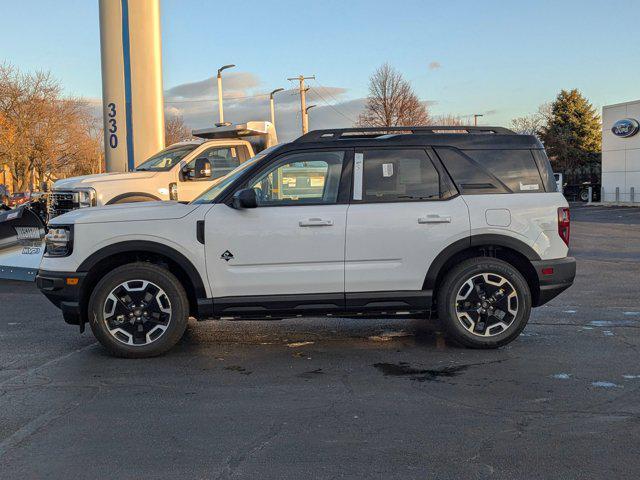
pixel 484 302
pixel 138 310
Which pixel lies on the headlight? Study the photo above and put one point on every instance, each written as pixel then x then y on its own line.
pixel 85 197
pixel 58 242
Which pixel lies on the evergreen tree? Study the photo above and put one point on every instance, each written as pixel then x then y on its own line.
pixel 572 134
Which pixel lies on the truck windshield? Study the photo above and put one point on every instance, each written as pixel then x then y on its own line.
pixel 210 195
pixel 166 159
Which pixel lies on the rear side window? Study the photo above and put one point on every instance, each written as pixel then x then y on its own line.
pixel 398 175
pixel 517 169
pixel 469 176
pixel 546 172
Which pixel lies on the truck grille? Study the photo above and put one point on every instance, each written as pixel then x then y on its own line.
pixel 62 202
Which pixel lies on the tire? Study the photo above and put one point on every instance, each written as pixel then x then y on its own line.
pixel 154 324
pixel 584 195
pixel 475 311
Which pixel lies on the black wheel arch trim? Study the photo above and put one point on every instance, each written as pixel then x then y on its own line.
pixel 147 247
pixel 122 196
pixel 487 239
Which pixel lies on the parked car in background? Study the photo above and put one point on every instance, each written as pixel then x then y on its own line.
pixel 18 198
pixel 179 172
pixel 462 223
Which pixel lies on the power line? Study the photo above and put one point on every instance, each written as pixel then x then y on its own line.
pixel 212 100
pixel 332 106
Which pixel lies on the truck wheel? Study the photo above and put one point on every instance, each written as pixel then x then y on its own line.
pixel 138 310
pixel 584 195
pixel 484 302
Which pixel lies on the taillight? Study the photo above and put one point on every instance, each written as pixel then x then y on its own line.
pixel 564 224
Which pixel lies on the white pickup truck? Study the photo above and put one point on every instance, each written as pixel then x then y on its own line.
pixel 179 172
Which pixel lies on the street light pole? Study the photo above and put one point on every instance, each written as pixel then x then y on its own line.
pixel 306 117
pixel 272 105
pixel 220 109
pixel 475 118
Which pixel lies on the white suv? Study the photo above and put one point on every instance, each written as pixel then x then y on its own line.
pixel 461 222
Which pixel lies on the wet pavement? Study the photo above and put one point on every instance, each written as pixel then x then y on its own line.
pixel 336 398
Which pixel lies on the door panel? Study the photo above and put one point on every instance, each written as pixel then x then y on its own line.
pixel 390 246
pixel 273 253
pixel 293 242
pixel 398 222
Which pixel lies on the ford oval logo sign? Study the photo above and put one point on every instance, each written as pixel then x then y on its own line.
pixel 626 127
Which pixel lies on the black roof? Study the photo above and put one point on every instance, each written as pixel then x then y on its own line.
pixel 463 137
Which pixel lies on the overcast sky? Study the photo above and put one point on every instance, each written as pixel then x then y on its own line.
pixel 499 58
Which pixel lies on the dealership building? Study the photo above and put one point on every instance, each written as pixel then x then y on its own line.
pixel 621 152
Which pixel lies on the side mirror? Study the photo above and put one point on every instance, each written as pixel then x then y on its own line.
pixel 202 169
pixel 245 198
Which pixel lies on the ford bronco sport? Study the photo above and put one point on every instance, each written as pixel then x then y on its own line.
pixel 461 222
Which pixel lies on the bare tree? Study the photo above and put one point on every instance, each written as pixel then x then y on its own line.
pixel 175 131
pixel 532 124
pixel 43 134
pixel 448 120
pixel 392 102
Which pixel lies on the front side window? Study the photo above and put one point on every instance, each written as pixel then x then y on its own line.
pixel 398 175
pixel 167 158
pixel 311 178
pixel 222 159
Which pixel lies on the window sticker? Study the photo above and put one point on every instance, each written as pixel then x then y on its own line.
pixel 357 176
pixel 528 187
pixel 387 170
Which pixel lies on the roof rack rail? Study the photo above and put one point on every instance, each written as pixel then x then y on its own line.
pixel 372 132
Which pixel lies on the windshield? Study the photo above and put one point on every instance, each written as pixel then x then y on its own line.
pixel 223 182
pixel 166 159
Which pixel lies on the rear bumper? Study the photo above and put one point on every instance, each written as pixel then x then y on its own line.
pixel 66 297
pixel 554 277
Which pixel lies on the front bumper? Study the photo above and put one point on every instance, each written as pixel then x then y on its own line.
pixel 563 272
pixel 63 294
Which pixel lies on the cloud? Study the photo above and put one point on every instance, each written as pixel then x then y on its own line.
pixel 197 103
pixel 435 65
pixel 234 84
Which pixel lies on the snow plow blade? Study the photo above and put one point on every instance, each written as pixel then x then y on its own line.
pixel 21 243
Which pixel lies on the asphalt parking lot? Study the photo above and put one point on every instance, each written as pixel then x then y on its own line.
pixel 333 398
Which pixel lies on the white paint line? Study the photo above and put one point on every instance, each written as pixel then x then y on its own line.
pixel 630 377
pixel 607 333
pixel 630 314
pixel 562 376
pixel 604 384
pixel 569 311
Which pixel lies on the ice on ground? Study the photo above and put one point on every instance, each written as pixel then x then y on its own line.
pixel 604 384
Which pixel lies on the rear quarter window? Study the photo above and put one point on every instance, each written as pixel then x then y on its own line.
pixel 468 175
pixel 517 169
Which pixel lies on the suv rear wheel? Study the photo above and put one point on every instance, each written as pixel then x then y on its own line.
pixel 484 302
pixel 138 310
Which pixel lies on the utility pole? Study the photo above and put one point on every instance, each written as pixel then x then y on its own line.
pixel 475 118
pixel 220 110
pixel 303 101
pixel 272 105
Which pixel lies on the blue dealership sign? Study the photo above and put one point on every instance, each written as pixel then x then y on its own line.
pixel 626 127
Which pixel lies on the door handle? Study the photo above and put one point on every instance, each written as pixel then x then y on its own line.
pixel 435 219
pixel 315 222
